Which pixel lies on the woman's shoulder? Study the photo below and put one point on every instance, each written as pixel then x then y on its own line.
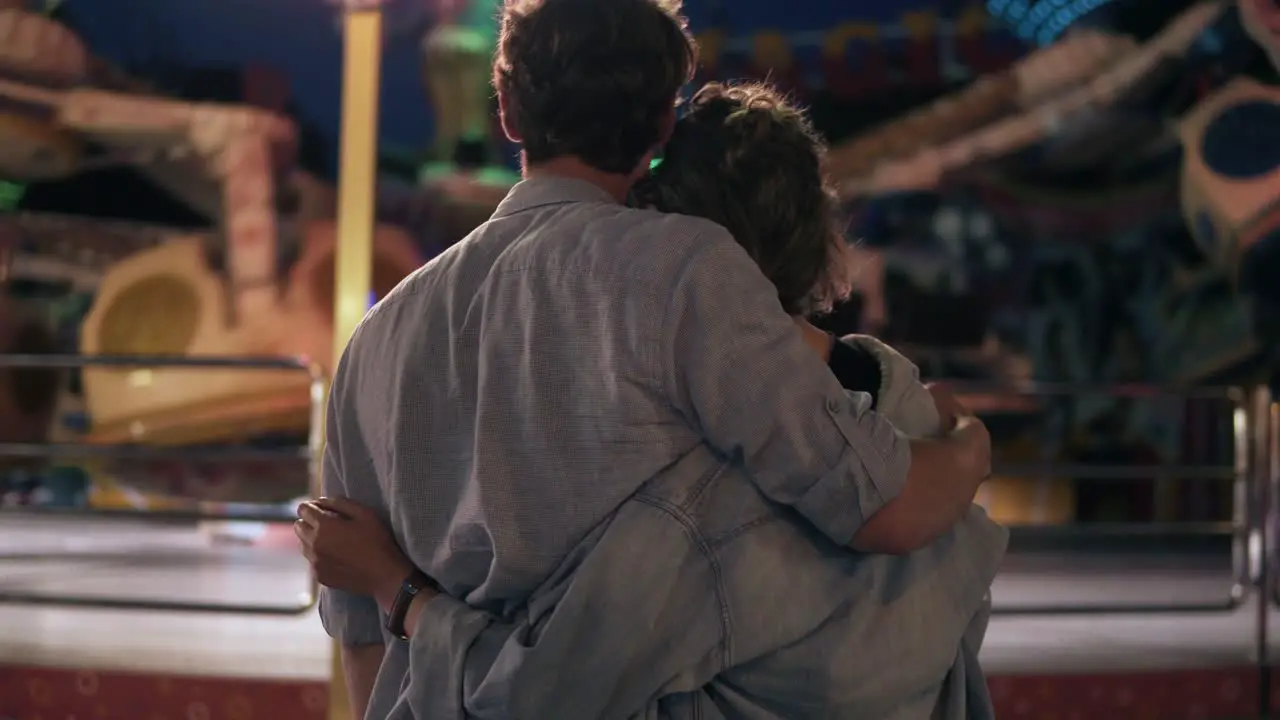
pixel 884 354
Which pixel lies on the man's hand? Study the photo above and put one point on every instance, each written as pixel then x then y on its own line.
pixel 350 549
pixel 950 410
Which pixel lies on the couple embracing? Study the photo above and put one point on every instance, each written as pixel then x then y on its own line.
pixel 592 462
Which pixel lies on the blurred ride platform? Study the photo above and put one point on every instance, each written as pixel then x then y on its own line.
pixel 60 662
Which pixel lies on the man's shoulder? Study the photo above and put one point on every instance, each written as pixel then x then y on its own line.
pixel 392 317
pixel 681 231
pixel 606 238
pixel 665 245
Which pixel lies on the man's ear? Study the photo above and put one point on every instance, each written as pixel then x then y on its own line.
pixel 507 119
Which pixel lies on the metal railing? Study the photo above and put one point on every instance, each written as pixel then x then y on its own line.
pixel 1249 433
pixel 1254 476
pixel 1251 425
pixel 310 454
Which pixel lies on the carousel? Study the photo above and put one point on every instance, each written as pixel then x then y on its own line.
pixel 255 279
pixel 157 425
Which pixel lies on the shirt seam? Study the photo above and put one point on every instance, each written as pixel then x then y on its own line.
pixel 717 573
pixel 664 328
pixel 535 206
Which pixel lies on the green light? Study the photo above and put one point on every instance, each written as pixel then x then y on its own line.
pixel 11 194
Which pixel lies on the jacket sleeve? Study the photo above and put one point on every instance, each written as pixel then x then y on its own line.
pixel 632 616
pixel 902 398
pixel 737 369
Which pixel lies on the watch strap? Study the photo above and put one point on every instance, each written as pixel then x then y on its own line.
pixel 415 583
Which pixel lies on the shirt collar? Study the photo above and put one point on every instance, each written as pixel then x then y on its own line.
pixel 542 191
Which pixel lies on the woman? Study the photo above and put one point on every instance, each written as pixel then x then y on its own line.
pixel 745 159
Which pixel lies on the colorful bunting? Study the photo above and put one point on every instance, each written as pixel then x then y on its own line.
pixel 852 59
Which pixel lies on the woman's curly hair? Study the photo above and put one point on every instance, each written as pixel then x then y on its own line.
pixel 744 157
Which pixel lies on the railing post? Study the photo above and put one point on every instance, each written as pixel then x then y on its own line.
pixel 362 64
pixel 1264 479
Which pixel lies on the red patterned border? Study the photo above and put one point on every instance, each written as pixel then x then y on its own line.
pixel 49 694
pixel 1171 695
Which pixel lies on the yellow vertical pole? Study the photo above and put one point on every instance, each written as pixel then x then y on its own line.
pixel 362 60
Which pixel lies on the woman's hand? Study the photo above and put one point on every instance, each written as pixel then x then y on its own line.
pixel 950 409
pixel 350 548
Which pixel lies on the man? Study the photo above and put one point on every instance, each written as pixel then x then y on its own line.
pixel 506 400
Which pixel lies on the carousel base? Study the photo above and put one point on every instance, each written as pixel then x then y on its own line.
pixel 61 662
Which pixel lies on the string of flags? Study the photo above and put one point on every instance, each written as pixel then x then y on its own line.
pixel 922 48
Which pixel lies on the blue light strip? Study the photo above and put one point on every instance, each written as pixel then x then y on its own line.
pixel 1043 21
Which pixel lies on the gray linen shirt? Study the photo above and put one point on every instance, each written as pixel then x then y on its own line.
pixel 506 401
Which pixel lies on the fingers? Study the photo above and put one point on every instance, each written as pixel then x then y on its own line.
pixel 310 513
pixel 323 526
pixel 313 512
pixel 971 424
pixel 307 527
pixel 946 401
pixel 942 393
pixel 305 531
pixel 344 507
pixel 975 434
pixel 306 535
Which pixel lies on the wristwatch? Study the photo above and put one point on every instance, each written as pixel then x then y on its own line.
pixel 416 582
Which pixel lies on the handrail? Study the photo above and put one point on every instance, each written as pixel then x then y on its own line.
pixel 258 516
pixel 70 362
pixel 1160 473
pixel 307 602
pixel 1264 495
pixel 311 454
pixel 1249 431
pixel 1270 480
pixel 64 451
pixel 1130 530
pixel 1136 391
pixel 1240 531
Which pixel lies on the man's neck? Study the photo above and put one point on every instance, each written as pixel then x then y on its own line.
pixel 569 167
pixel 820 340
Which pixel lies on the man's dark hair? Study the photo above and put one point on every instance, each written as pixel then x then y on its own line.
pixel 594 79
pixel 746 159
